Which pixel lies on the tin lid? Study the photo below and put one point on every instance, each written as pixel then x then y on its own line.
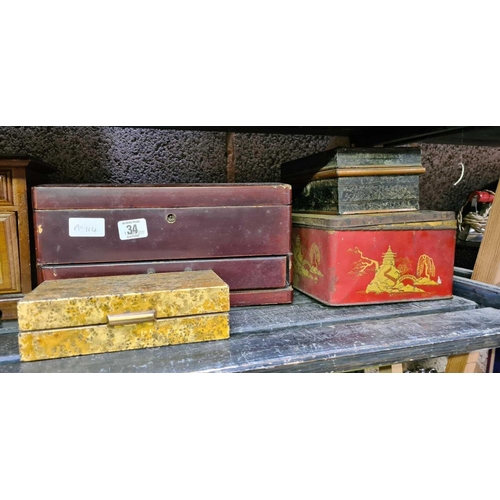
pixel 415 219
pixel 112 196
pixel 353 162
pixel 117 300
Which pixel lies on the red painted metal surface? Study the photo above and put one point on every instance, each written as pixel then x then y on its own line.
pixel 351 267
pixel 482 196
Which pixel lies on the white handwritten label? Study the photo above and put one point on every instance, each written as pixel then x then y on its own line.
pixel 86 227
pixel 132 229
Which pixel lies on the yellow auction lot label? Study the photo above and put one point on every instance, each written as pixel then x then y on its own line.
pixel 132 229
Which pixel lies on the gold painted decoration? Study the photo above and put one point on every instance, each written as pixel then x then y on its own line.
pixel 307 267
pixel 391 279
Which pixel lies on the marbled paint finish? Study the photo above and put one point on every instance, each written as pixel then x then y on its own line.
pixel 349 195
pixel 89 301
pixel 51 344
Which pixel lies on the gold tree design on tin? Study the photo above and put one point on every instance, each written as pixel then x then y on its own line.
pixel 363 264
pixel 426 263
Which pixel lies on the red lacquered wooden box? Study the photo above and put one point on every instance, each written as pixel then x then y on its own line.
pixel 240 231
pixel 370 259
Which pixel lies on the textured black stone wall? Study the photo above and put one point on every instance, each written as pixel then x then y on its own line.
pixel 126 155
pixel 258 157
pixel 437 192
pixel 121 155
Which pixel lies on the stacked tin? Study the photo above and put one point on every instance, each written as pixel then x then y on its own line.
pixel 358 234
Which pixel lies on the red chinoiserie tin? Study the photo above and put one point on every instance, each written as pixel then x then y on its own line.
pixel 371 259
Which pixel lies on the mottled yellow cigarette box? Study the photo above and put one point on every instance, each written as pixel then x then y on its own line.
pixel 72 317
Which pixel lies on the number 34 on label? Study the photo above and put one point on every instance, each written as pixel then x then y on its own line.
pixel 132 229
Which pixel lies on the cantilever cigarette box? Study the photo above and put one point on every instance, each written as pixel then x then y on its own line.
pixel 95 315
pixel 241 231
pixel 356 180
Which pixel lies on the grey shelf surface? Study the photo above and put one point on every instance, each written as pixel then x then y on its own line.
pixel 305 336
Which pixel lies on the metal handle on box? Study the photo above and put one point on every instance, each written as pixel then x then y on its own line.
pixel 131 318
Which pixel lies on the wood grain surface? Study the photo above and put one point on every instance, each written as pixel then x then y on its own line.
pixel 487 266
pixel 10 276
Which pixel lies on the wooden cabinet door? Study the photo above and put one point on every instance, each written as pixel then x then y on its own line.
pixel 10 280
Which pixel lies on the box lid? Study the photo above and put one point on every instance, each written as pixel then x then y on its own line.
pixel 417 219
pixel 120 299
pixel 92 196
pixel 353 162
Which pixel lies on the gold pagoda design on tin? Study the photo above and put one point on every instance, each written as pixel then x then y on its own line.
pixel 307 267
pixel 391 279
